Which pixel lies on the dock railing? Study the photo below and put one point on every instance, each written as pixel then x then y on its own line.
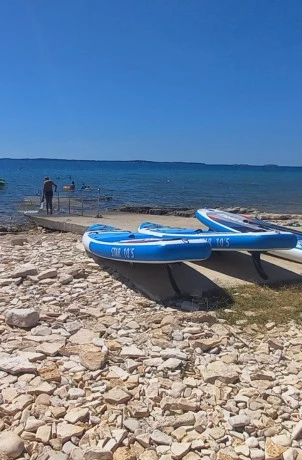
pixel 73 202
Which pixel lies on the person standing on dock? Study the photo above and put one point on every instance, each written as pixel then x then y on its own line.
pixel 48 193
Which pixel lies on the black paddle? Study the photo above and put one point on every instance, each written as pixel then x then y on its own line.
pixel 267 225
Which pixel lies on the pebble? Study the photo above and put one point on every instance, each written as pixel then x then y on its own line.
pixel 17 365
pixel 179 449
pixel 75 393
pixel 161 438
pixel 117 396
pixel 11 444
pixel 239 421
pixel 258 454
pixel 252 442
pixel 77 414
pixel 22 317
pixel 218 370
pixel 22 271
pixel 297 431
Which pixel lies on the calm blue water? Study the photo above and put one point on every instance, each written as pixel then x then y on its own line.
pixel 266 188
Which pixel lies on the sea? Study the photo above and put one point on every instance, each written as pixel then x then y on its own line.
pixel 268 188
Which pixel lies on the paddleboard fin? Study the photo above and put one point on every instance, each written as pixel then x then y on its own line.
pixel 172 280
pixel 257 264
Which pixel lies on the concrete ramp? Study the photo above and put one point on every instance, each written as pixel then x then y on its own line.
pixel 161 282
pixel 220 271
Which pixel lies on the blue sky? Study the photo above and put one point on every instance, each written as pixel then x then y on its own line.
pixel 215 81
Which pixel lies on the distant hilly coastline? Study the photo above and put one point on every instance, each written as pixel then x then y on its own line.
pixel 269 165
pixel 228 165
pixel 104 161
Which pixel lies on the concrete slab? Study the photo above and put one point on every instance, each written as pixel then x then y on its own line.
pixel 221 270
pixel 123 220
pixel 215 275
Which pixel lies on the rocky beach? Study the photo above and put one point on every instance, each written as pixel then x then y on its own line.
pixel 90 369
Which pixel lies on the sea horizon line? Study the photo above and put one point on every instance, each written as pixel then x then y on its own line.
pixel 268 165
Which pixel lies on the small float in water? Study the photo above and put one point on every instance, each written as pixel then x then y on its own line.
pixel 69 188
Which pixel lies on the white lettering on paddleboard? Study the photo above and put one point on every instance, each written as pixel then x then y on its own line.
pixel 129 253
pixel 116 252
pixel 223 242
pixel 219 242
pixel 126 253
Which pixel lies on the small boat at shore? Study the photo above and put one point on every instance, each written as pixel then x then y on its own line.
pixel 226 241
pixel 221 221
pixel 108 242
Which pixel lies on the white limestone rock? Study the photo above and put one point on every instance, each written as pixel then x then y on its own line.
pixel 218 370
pixel 19 241
pixel 41 331
pixel 239 421
pixel 11 444
pixel 50 349
pixel 297 431
pixel 180 449
pixel 50 273
pixel 65 279
pixel 161 438
pixel 173 353
pixel 17 365
pixel 171 363
pixel 75 393
pixel 77 414
pixel 8 281
pixel 132 424
pixel 65 431
pixel 22 317
pixel 132 351
pixel 83 336
pixel 117 396
pixel 252 442
pixel 24 271
pixel 43 434
pixel 97 453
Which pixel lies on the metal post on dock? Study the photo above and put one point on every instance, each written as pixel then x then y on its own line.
pixel 58 202
pixel 99 192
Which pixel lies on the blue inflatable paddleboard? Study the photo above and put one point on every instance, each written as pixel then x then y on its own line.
pixel 115 244
pixel 226 241
pixel 221 221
